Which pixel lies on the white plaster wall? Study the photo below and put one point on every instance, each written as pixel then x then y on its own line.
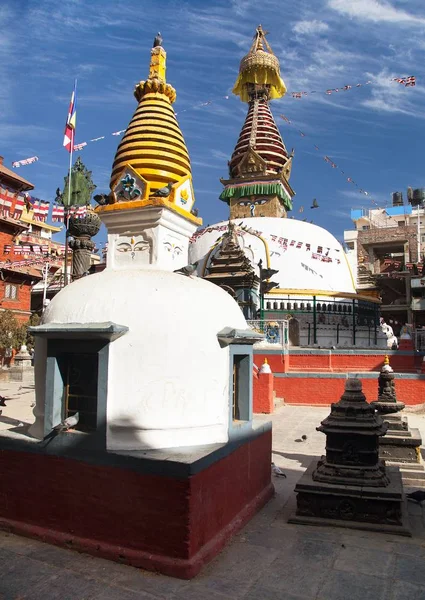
pixel 168 381
pixel 155 237
pixel 298 269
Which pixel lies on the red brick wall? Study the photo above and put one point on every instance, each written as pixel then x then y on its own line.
pixel 325 390
pixel 23 301
pixel 150 521
pixel 263 397
pixel 339 363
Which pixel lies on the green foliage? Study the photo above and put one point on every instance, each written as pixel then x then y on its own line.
pixel 12 333
pixel 34 320
pixel 82 186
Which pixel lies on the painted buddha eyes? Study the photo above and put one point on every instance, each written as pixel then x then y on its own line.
pixel 138 247
pixel 249 203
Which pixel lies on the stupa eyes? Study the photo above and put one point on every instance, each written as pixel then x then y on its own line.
pixel 138 247
pixel 124 247
pixel 255 202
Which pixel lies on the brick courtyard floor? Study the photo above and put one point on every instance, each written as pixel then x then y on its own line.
pixel 268 559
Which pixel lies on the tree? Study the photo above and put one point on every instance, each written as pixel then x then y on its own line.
pixel 12 333
pixel 34 320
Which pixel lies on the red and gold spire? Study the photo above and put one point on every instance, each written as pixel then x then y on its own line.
pixel 260 164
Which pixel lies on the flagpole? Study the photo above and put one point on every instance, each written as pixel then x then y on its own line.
pixel 66 209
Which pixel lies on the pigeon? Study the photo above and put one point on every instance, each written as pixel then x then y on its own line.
pixel 158 40
pixel 304 438
pixel 194 212
pixel 164 191
pixel 417 496
pixel 2 401
pixel 314 205
pixel 68 423
pixel 102 199
pixel 277 471
pixel 188 270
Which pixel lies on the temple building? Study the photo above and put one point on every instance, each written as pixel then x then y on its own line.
pixel 144 376
pixel 312 281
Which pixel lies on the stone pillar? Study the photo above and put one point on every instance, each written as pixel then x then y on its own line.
pixel 263 401
pixel 22 369
pixel 82 229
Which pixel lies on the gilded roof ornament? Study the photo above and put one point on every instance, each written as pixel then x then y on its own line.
pixel 259 70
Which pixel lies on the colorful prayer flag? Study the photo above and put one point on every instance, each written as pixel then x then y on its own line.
pixel 71 121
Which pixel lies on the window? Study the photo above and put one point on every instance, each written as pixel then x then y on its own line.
pixel 240 387
pixel 11 291
pixel 79 372
pixel 401 223
pixel 365 227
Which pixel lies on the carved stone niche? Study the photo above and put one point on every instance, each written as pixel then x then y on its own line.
pixel 350 486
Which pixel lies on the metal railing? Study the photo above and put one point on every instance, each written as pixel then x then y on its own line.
pixel 275 332
pixel 420 340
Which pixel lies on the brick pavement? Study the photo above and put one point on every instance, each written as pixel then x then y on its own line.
pixel 269 559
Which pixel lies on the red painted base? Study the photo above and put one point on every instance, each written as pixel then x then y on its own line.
pixel 159 523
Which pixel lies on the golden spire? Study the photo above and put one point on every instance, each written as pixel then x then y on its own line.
pixel 386 360
pixel 259 70
pixel 152 162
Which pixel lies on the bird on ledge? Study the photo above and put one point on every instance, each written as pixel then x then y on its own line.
pixel 158 40
pixel 164 191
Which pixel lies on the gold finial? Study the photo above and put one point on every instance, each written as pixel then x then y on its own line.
pixel 259 70
pixel 386 360
pixel 156 82
pixel 266 362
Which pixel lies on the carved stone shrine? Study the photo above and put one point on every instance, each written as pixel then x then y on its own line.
pixel 400 445
pixel 350 486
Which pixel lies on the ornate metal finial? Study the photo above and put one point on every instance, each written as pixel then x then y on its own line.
pixel 259 70
pixel 386 360
pixel 266 362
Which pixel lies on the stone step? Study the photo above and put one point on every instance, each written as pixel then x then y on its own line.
pixel 278 402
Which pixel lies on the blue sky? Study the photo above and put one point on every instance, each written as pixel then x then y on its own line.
pixel 374 133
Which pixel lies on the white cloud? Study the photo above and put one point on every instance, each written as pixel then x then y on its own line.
pixel 310 27
pixel 374 10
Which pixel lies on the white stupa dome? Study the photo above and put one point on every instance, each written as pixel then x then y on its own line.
pixel 168 376
pixel 308 257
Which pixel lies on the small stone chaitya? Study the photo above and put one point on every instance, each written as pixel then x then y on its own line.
pixel 400 444
pixel 351 486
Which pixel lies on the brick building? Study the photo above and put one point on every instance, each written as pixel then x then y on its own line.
pixel 386 251
pixel 15 281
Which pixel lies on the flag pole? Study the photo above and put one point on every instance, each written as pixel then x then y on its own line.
pixel 66 208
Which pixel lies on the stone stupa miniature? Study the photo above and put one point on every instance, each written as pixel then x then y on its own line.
pixel 350 486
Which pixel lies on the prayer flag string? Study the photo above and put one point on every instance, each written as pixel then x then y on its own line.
pixel 330 162
pixel 409 81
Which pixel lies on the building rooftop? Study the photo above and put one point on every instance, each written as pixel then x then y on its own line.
pixel 9 174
